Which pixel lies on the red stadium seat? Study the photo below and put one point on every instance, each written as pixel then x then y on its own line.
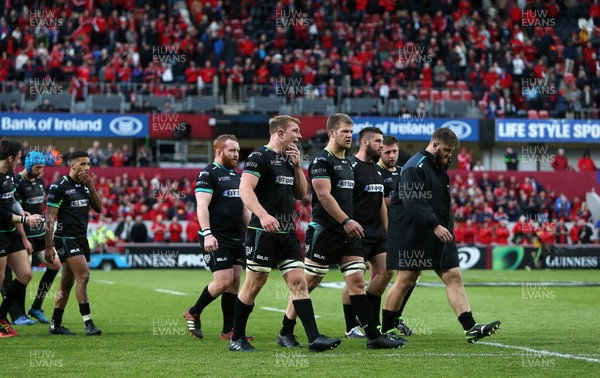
pixel 532 114
pixel 467 95
pixel 451 84
pixel 445 95
pixel 436 95
pixel 461 84
pixel 455 95
pixel 424 94
pixel 544 114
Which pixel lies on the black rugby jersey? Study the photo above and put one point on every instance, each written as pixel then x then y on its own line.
pixel 7 197
pixel 30 195
pixel 367 196
pixel 275 188
pixel 226 208
pixel 390 180
pixel 328 166
pixel 73 202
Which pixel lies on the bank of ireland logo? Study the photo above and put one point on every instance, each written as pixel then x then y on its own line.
pixel 460 128
pixel 125 126
pixel 468 257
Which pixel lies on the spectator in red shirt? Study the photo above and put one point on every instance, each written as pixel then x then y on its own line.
pixel 560 162
pixel 502 233
pixel 175 231
pixel 464 159
pixel 586 164
pixel 485 234
pixel 191 230
pixel 459 233
pixel 470 232
pixel 561 232
pixel 574 233
pixel 158 228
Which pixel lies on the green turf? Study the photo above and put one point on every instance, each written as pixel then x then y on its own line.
pixel 144 332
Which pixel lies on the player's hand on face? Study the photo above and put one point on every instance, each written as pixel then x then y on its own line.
pixel 354 229
pixel 49 254
pixel 443 234
pixel 86 179
pixel 211 244
pixel 293 152
pixel 269 223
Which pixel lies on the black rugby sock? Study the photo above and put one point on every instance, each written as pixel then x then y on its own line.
pixel 375 305
pixel 349 317
pixel 360 304
pixel 467 321
pixel 45 284
pixel 408 293
pixel 84 310
pixel 287 326
pixel 57 316
pixel 203 300
pixel 388 320
pixel 14 291
pixel 227 307
pixel 240 318
pixel 305 311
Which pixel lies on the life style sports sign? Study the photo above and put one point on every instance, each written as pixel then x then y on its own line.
pixel 548 131
pixel 70 125
pixel 419 129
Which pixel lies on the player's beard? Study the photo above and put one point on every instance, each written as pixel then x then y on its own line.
pixel 229 163
pixel 372 153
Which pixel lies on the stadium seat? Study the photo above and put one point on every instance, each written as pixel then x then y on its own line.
pixel 544 114
pixel 455 95
pixel 467 95
pixel 106 103
pixel 424 94
pixel 456 108
pixel 461 84
pixel 201 104
pixel 7 98
pixel 62 102
pixel 312 106
pixel 265 105
pixel 451 84
pixel 158 101
pixel 360 106
pixel 532 114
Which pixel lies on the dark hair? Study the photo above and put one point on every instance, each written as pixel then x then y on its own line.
pixel 389 140
pixel 367 131
pixel 446 136
pixel 9 147
pixel 77 155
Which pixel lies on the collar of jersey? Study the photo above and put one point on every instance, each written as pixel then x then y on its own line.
pixel 222 167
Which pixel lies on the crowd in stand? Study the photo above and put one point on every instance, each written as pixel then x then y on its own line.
pixel 510 56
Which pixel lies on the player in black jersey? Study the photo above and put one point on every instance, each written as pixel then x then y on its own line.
pixel 14 247
pixel 333 236
pixel 272 179
pixel 69 200
pixel 391 173
pixel 371 212
pixel 30 194
pixel 223 220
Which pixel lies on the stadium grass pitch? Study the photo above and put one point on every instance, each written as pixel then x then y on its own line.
pixel 546 331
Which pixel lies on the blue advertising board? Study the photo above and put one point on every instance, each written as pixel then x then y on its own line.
pixel 74 125
pixel 413 128
pixel 548 131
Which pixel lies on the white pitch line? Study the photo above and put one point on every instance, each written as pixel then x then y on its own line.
pixel 279 310
pixel 106 282
pixel 543 352
pixel 169 292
